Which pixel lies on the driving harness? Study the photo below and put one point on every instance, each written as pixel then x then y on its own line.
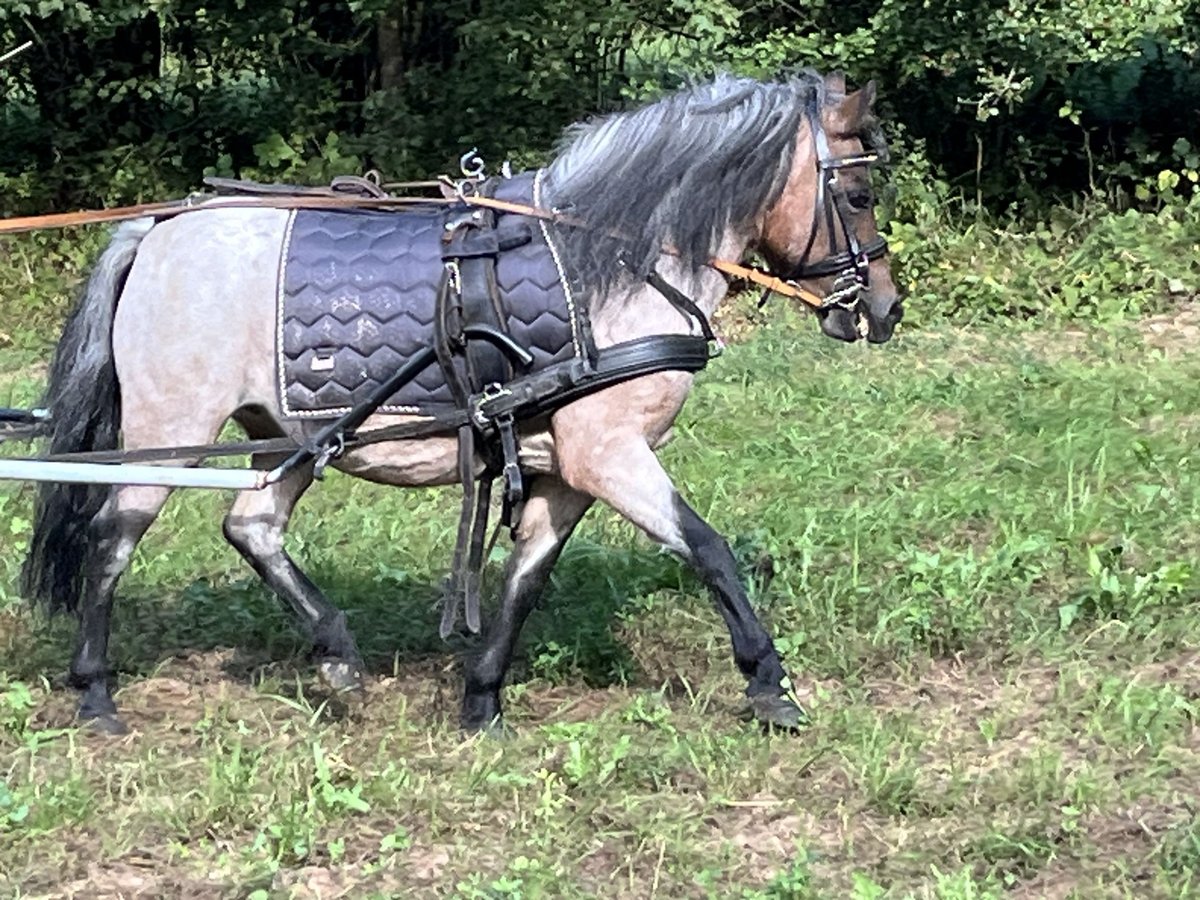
pixel 501 357
pixel 474 307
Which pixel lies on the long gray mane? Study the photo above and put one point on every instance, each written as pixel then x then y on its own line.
pixel 678 173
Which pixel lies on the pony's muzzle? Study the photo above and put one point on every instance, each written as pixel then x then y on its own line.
pixel 874 319
pixel 882 316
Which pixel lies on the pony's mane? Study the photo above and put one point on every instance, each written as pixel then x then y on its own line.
pixel 678 172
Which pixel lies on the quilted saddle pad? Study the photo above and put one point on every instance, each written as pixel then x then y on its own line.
pixel 357 293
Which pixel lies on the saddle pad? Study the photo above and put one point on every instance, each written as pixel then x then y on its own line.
pixel 357 295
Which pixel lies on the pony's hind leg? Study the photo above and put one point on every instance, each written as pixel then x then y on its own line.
pixel 623 471
pixel 551 514
pixel 255 526
pixel 113 534
pixel 112 537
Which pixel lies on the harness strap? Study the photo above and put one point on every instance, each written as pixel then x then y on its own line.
pixel 832 265
pixel 558 385
pixel 527 396
pixel 514 482
pixel 773 283
pixel 682 302
pixel 473 576
pixel 459 586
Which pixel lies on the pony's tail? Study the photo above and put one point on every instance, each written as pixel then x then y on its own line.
pixel 84 401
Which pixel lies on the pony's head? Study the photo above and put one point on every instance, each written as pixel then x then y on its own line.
pixel 779 164
pixel 822 231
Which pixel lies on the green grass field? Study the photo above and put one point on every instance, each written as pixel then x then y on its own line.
pixel 985 544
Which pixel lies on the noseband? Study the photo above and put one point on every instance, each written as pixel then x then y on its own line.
pixel 850 267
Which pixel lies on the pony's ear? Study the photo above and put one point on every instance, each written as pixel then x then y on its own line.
pixel 866 98
pixel 856 109
pixel 836 82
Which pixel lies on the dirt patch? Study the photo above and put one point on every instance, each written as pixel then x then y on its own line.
pixel 767 838
pixel 959 687
pixel 1181 425
pixel 565 703
pixel 1058 343
pixel 135 881
pixel 946 423
pixel 312 883
pixel 1059 880
pixel 1174 333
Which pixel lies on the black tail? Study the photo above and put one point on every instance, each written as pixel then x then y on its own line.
pixel 85 405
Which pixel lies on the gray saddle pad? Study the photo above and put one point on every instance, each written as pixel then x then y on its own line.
pixel 358 291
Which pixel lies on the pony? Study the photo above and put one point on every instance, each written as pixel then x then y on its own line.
pixel 174 335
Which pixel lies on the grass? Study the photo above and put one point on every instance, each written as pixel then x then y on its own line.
pixel 984 544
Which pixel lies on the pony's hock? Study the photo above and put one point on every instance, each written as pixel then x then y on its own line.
pixel 487 333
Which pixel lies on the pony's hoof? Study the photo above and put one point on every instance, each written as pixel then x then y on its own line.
pixel 341 677
pixel 495 729
pixel 775 712
pixel 107 724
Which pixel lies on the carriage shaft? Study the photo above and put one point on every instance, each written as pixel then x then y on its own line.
pixel 155 476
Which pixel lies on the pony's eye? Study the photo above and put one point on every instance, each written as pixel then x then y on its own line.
pixel 860 199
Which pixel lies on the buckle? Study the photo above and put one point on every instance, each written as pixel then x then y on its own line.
pixel 490 393
pixel 454 276
pixel 328 454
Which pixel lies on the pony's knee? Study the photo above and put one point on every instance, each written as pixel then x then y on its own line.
pixel 253 537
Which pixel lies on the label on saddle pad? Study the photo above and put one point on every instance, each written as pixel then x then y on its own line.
pixel 357 296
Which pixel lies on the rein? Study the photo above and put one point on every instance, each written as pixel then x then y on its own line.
pixel 171 208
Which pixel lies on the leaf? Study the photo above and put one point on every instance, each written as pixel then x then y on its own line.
pixel 274 151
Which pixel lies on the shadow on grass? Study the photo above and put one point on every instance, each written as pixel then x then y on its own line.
pixel 394 617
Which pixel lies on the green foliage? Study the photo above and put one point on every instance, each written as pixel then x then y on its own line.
pixel 1077 262
pixel 1013 99
pixel 793 883
pixel 941 606
pixel 16 704
pixel 1117 590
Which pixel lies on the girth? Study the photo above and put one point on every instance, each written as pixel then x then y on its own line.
pixel 477 355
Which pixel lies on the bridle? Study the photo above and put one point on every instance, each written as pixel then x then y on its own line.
pixel 850 267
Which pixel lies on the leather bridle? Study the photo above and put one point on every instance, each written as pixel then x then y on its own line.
pixel 849 260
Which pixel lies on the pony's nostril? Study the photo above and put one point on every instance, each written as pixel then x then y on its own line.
pixel 896 312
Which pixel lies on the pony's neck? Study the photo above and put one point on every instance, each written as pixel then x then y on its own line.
pixel 642 311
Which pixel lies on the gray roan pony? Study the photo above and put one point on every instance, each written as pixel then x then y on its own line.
pixel 174 335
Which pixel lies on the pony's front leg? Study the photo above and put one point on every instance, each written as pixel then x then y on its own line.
pixel 551 514
pixel 622 470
